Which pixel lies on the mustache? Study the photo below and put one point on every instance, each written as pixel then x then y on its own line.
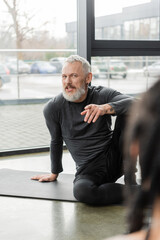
pixel 69 85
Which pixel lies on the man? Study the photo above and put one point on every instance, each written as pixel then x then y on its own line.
pixel 81 117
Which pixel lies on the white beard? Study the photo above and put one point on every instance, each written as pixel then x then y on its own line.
pixel 76 96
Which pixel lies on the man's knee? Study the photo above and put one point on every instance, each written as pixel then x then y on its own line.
pixel 83 191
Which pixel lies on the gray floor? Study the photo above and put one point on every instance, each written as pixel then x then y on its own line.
pixel 32 219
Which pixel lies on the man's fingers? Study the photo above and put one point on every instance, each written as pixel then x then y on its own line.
pixel 88 106
pixel 91 113
pixel 96 117
pixel 84 112
pixel 44 179
pixel 36 177
pixel 41 178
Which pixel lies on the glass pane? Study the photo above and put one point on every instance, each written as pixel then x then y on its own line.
pixel 35 76
pixel 129 75
pixel 37 24
pixel 30 77
pixel 127 19
pixel 25 86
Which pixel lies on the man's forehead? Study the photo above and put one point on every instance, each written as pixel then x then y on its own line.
pixel 72 67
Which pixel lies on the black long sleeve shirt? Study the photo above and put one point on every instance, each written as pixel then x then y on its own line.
pixel 84 141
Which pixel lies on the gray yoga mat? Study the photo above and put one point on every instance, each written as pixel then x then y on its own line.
pixel 17 183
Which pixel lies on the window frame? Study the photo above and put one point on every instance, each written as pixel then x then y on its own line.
pixel 90 47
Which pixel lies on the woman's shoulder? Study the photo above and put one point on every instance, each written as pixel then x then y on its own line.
pixel 118 237
pixel 140 235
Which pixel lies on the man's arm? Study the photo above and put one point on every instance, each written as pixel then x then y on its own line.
pixel 116 104
pixel 56 146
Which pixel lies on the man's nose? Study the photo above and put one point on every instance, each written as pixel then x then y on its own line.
pixel 68 79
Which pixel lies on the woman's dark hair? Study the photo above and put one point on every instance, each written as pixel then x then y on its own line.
pixel 143 130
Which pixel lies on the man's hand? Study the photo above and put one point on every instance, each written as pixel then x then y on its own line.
pixel 93 111
pixel 45 177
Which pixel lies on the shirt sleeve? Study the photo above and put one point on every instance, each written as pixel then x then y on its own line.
pixel 119 102
pixel 56 144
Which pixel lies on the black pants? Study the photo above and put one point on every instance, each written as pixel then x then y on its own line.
pixel 97 186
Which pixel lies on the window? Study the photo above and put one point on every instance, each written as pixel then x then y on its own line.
pixel 32 51
pixel 35 25
pixel 130 75
pixel 112 32
pixel 127 20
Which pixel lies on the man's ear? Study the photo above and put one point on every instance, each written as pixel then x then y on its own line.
pixel 89 78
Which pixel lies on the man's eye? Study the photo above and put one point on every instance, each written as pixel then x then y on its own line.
pixel 74 75
pixel 63 76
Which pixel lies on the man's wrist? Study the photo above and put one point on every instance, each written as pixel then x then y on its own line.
pixel 54 174
pixel 109 109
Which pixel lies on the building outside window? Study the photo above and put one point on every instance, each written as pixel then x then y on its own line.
pixel 139 20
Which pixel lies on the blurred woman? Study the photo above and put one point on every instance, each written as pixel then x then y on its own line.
pixel 143 139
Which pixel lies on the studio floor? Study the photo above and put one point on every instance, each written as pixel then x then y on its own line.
pixel 34 219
